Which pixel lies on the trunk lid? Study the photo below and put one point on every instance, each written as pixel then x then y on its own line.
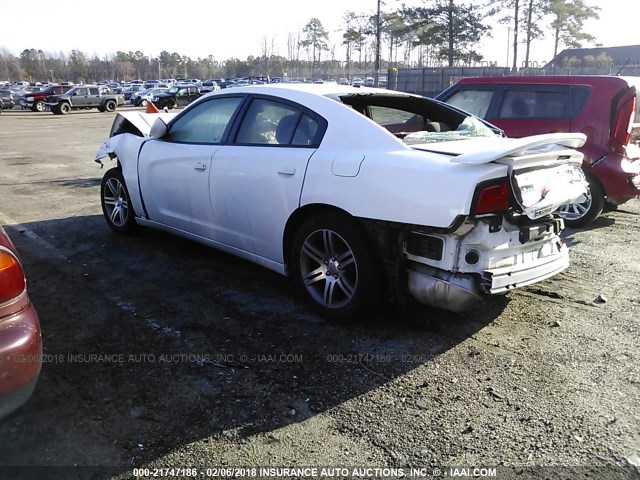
pixel 544 170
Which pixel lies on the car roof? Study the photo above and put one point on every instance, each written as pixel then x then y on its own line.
pixel 548 80
pixel 320 89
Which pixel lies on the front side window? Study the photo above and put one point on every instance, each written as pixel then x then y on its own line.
pixel 206 122
pixel 475 102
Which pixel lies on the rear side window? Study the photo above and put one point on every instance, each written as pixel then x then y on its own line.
pixel 306 132
pixel 475 102
pixel 269 122
pixel 383 115
pixel 532 103
pixel 579 96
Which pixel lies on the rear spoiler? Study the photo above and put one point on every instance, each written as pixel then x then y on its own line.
pixel 518 146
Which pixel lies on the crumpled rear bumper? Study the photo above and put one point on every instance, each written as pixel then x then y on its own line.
pixel 555 260
pixel 489 264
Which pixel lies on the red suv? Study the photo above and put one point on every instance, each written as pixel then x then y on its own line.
pixel 36 100
pixel 604 108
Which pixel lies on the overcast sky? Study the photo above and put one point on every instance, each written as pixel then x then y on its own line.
pixel 225 29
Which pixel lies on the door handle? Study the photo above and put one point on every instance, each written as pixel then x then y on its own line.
pixel 200 166
pixel 287 170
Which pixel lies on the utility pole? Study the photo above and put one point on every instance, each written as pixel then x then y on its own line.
pixel 159 65
pixel 508 44
pixel 377 63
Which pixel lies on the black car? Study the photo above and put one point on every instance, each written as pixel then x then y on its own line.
pixel 176 96
pixel 6 97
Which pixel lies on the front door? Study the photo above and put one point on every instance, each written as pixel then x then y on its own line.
pixel 174 170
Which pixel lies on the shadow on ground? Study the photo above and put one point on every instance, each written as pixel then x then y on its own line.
pixel 153 342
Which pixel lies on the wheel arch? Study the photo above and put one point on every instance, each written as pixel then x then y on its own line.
pixel 299 216
pixel 371 230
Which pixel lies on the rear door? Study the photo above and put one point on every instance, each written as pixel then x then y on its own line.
pixel 523 110
pixel 256 179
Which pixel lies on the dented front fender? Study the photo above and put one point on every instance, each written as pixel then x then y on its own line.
pixel 126 147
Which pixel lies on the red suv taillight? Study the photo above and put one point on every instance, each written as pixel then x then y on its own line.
pixel 12 281
pixel 621 132
pixel 492 199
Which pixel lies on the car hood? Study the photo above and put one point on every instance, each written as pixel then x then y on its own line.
pixel 138 123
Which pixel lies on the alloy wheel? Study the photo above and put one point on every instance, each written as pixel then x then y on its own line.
pixel 328 268
pixel 576 211
pixel 116 202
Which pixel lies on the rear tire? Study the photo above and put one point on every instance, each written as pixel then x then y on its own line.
pixel 578 215
pixel 39 107
pixel 116 202
pixel 110 106
pixel 334 267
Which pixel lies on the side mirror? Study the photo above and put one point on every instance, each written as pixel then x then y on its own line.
pixel 158 128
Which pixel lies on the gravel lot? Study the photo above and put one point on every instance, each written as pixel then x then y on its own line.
pixel 165 354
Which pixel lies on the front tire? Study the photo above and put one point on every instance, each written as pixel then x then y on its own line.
pixel 144 103
pixel 64 108
pixel 582 213
pixel 334 266
pixel 116 202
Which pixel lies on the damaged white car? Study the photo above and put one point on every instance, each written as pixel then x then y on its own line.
pixel 358 194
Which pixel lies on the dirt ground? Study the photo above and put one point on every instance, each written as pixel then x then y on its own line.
pixel 161 353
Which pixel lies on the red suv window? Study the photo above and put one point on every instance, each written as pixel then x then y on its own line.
pixel 534 104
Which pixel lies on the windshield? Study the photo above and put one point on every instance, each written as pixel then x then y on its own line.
pixel 173 90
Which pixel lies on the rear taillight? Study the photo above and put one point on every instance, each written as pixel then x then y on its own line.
pixel 621 132
pixel 492 199
pixel 12 282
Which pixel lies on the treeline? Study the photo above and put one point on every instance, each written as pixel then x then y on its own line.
pixel 436 33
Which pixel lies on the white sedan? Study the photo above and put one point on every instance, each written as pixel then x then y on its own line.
pixel 360 195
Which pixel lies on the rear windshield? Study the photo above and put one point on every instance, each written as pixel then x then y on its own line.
pixel 418 120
